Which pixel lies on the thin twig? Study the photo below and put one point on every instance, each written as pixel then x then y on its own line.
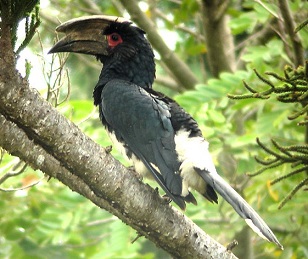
pixel 289 175
pixel 267 9
pixel 12 174
pixel 21 188
pixel 293 192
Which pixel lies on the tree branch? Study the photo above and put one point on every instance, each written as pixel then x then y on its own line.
pixel 219 41
pixel 289 26
pixel 179 69
pixel 87 169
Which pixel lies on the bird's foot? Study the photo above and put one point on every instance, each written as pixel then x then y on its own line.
pixel 132 169
pixel 108 149
pixel 166 198
pixel 231 245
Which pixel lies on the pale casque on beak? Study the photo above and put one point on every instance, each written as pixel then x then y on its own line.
pixel 85 35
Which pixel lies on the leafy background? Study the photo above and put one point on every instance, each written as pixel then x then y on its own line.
pixel 48 220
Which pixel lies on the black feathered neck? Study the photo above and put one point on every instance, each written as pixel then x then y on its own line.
pixel 132 60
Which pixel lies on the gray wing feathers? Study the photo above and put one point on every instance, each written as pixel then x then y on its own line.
pixel 143 122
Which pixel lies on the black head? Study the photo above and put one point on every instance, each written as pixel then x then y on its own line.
pixel 120 46
pixel 129 55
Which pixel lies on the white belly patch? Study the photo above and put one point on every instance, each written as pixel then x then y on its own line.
pixel 193 152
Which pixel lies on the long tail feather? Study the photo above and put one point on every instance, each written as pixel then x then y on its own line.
pixel 239 204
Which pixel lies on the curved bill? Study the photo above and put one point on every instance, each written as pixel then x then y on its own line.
pixel 85 34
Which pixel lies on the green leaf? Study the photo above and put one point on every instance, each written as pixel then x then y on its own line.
pixel 216 116
pixel 244 22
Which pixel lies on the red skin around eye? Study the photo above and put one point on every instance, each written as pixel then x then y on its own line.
pixel 112 42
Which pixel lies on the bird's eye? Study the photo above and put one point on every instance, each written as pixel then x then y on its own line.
pixel 114 39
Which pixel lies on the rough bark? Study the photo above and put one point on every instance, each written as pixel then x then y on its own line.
pixel 33 130
pixel 219 40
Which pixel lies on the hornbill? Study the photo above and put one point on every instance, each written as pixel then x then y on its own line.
pixel 149 128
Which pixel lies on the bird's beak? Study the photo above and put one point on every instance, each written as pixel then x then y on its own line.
pixel 85 35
